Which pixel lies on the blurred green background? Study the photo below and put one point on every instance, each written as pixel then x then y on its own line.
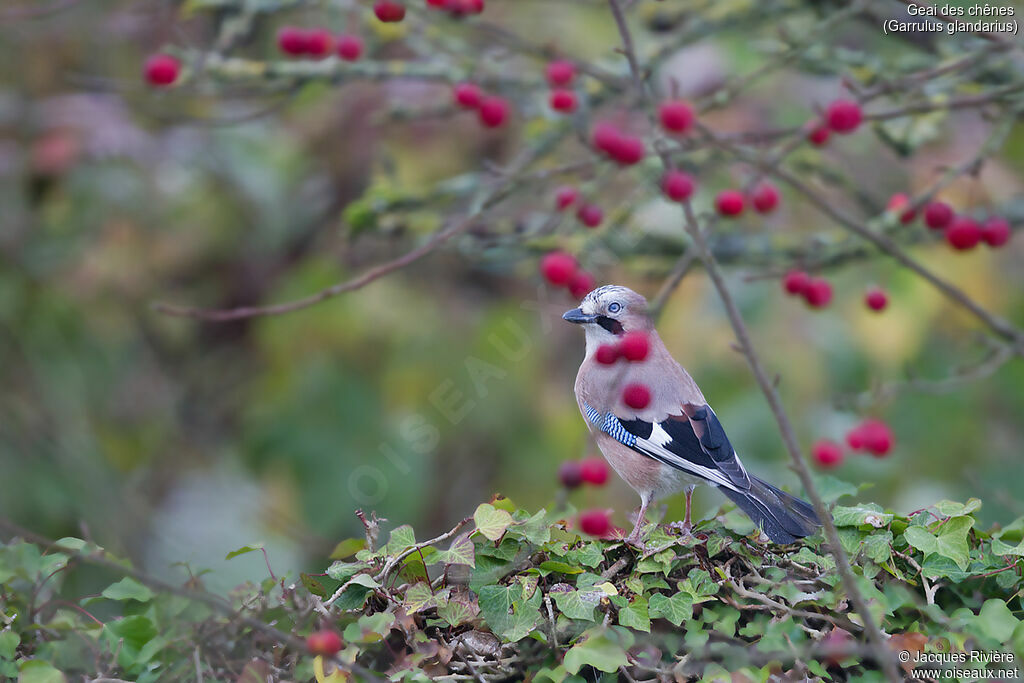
pixel 425 393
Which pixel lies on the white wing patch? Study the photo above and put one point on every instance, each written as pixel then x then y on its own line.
pixel 658 452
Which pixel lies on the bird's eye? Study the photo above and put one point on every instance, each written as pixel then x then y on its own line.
pixel 614 307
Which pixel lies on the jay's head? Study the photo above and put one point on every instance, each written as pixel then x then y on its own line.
pixel 608 312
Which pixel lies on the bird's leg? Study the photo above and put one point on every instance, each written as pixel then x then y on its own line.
pixel 685 528
pixel 634 536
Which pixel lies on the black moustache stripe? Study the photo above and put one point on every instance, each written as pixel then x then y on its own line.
pixel 610 324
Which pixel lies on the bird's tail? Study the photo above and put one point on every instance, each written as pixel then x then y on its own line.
pixel 784 518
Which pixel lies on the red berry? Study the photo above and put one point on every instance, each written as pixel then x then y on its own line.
pixel 319 43
pixel 677 185
pixel 558 267
pixel 818 292
pixel 460 7
pixel 729 202
pixel 324 643
pixel 467 95
pixel 995 231
pixel 594 471
pixel 963 233
pixel 580 283
pixel 634 346
pixel 291 41
pixel 819 134
pixel 605 137
pixel 590 215
pixel 350 48
pixel 563 100
pixel 676 116
pixel 795 282
pixel 595 522
pixel 570 474
pixel 876 300
pixel 561 73
pixel 437 4
pixel 565 197
pixel 844 116
pixel 937 215
pixel 161 70
pixel 607 354
pixel 628 150
pixel 389 11
pixel 855 438
pixel 899 203
pixel 876 437
pixel 765 198
pixel 827 454
pixel 493 111
pixel 636 396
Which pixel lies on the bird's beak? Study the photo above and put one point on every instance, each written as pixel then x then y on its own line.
pixel 576 315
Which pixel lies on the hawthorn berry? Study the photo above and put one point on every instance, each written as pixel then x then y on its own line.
pixel 818 292
pixel 628 150
pixel 558 267
pixel 729 202
pixel 634 346
pixel 350 48
pixel 570 474
pixel 461 7
pixel 795 282
pixel 843 116
pixel 560 73
pixel 493 111
pixel 563 101
pixel 827 454
pixel 595 523
pixel 636 396
pixel 467 95
pixel 607 354
pixel 876 437
pixel 900 203
pixel 677 185
pixel 590 215
pixel 324 643
pixel 855 438
pixel 937 215
pixel 161 70
pixel 963 233
pixel 594 471
pixel 995 231
pixel 437 4
pixel 389 11
pixel 819 134
pixel 291 40
pixel 580 283
pixel 765 198
pixel 566 196
pixel 876 299
pixel 319 43
pixel 676 116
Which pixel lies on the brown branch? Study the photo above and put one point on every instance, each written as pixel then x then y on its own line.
pixel 874 634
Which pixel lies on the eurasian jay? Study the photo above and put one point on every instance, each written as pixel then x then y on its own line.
pixel 676 441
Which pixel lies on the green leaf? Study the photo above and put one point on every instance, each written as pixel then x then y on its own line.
pixel 244 550
pixel 548 566
pixel 419 597
pixel 491 522
pixel 578 604
pixel 950 542
pixel 462 551
pixel 996 620
pixel 949 508
pixel 676 608
pixel 312 585
pixel 596 650
pixel 341 571
pixel 635 615
pixel 878 546
pixel 862 515
pixel 347 548
pixel 831 489
pixel 509 611
pixel 128 589
pixel 9 641
pixel 534 529
pixel 459 610
pixel 402 538
pixel 38 671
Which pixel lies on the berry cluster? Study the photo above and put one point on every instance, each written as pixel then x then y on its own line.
pixel 575 473
pixel 560 75
pixel 457 8
pixel 317 43
pixel 619 146
pixel 816 291
pixel 633 347
pixel 492 111
pixel 961 232
pixel 561 270
pixel 872 435
pixel 764 198
pixel 841 116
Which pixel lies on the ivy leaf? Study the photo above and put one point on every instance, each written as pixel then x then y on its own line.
pixel 341 571
pixel 419 597
pixel 553 566
pixel 635 615
pixel 596 650
pixel 950 542
pixel 508 610
pixel 312 585
pixel 949 508
pixel 869 514
pixel 878 546
pixel 675 608
pixel 347 548
pixel 459 610
pixel 491 522
pixel 996 621
pixel 578 604
pixel 38 671
pixel 128 589
pixel 244 550
pixel 831 489
pixel 9 641
pixel 402 538
pixel 534 529
pixel 461 551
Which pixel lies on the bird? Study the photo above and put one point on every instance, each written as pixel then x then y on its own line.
pixel 676 440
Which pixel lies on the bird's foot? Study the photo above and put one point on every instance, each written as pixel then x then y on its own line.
pixel 680 528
